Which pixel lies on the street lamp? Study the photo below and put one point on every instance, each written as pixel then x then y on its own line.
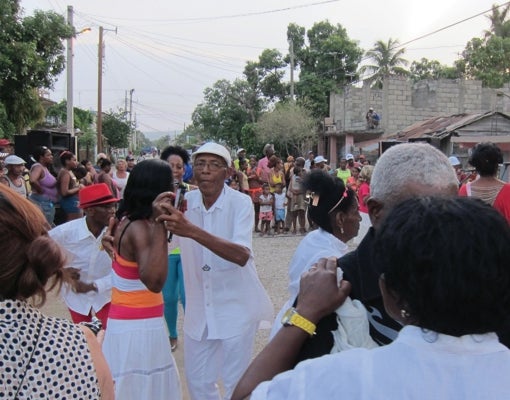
pixel 69 101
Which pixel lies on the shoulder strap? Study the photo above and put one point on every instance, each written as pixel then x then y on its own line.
pixel 38 335
pixel 121 236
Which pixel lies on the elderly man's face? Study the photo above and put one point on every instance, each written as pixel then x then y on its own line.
pixel 378 211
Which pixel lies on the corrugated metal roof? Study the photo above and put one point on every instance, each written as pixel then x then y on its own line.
pixel 440 127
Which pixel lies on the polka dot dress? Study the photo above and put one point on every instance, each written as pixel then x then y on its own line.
pixel 61 366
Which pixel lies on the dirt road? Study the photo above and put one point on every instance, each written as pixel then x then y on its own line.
pixel 272 256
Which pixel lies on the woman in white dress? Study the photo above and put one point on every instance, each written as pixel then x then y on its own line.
pixel 120 176
pixel 334 209
pixel 136 343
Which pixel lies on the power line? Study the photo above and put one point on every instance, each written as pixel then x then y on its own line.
pixel 215 18
pixel 451 25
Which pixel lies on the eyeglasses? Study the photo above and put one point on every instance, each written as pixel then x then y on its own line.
pixel 212 165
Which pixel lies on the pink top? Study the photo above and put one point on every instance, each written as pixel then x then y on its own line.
pixel 265 171
pixel 48 184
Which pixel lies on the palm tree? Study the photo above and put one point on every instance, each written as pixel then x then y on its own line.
pixel 387 60
pixel 499 25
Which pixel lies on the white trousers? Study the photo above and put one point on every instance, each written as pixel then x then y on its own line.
pixel 208 361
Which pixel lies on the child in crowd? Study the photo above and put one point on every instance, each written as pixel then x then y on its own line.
pixel 280 203
pixel 353 180
pixel 233 183
pixel 243 178
pixel 298 205
pixel 266 210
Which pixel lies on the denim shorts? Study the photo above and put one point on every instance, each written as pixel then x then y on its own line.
pixel 46 205
pixel 70 204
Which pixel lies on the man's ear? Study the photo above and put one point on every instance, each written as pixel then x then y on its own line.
pixel 375 210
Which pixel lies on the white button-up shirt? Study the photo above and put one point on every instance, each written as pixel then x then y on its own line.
pixel 84 252
pixel 417 365
pixel 221 295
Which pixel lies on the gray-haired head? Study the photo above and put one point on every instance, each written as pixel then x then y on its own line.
pixel 411 169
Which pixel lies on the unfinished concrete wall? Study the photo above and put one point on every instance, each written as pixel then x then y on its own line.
pixel 401 102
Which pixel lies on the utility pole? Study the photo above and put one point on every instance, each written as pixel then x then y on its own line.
pixel 291 53
pixel 131 130
pixel 99 118
pixel 70 105
pixel 125 105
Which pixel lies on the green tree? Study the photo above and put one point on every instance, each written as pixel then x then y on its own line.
pixel 327 62
pixel 6 126
pixel 191 136
pixel 431 69
pixel 83 119
pixel 487 61
pixel 291 128
pixel 227 107
pixel 386 60
pixel 265 76
pixel 116 129
pixel 500 26
pixel 31 58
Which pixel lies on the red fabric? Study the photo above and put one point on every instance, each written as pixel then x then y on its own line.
pixel 502 202
pixel 463 190
pixel 102 314
pixel 363 192
pixel 118 311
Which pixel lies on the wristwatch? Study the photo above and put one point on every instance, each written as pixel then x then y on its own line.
pixel 291 317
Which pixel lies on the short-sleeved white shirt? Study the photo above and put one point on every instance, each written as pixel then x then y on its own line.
pixel 85 253
pixel 221 295
pixel 417 365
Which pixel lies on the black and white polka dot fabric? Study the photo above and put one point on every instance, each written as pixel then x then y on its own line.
pixel 61 366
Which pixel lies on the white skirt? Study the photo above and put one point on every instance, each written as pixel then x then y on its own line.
pixel 140 359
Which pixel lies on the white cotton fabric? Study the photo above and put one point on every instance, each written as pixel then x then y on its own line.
pixel 139 375
pixel 353 327
pixel 221 295
pixel 417 365
pixel 315 245
pixel 85 252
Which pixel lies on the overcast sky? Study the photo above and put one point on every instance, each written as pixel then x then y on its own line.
pixel 170 51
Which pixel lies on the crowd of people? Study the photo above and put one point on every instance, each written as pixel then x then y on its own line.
pixel 416 292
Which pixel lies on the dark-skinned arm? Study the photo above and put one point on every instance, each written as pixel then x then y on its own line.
pixel 319 295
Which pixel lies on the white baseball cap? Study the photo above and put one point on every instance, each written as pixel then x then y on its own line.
pixel 349 157
pixel 319 159
pixel 216 149
pixel 14 160
pixel 453 161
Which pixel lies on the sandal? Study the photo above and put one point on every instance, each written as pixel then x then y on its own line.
pixel 173 344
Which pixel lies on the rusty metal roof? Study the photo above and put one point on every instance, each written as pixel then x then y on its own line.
pixel 440 127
